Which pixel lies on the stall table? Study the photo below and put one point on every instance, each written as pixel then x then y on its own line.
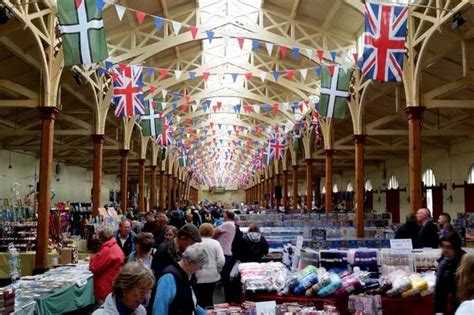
pixel 27 263
pixel 419 305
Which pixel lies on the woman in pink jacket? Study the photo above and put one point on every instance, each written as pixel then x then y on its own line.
pixel 106 264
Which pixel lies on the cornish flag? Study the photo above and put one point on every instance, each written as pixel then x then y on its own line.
pixel 384 41
pixel 82 32
pixel 334 92
pixel 128 94
pixel 151 121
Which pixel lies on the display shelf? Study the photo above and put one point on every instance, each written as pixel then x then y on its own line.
pixel 22 235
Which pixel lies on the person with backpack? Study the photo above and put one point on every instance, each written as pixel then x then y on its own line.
pixel 255 245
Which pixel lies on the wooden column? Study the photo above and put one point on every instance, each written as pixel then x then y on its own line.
pixel 174 202
pixel 277 183
pixel 170 191
pixel 152 187
pixel 285 190
pixel 271 190
pixel 162 191
pixel 359 181
pixel 295 187
pixel 317 191
pixel 329 154
pixel 309 185
pixel 415 120
pixel 98 141
pixel 48 116
pixel 123 180
pixel 260 197
pixel 141 185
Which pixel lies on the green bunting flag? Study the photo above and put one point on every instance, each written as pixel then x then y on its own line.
pixel 82 32
pixel 182 159
pixel 150 122
pixel 334 92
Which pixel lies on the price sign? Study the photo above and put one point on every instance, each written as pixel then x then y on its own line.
pixel 401 245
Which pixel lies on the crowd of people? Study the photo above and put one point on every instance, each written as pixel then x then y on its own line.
pixel 185 254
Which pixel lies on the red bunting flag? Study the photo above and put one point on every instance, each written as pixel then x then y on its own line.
pixel 331 69
pixel 214 108
pixel 241 42
pixel 163 73
pixel 300 107
pixel 219 105
pixel 211 124
pixel 186 97
pixel 152 89
pixel 356 57
pixel 248 75
pixel 247 108
pixel 290 74
pixel 283 51
pixel 205 75
pixel 193 29
pixel 320 54
pixel 140 17
pixel 275 108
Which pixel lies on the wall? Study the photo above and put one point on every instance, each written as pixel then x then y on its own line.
pixel 449 166
pixel 72 184
pixel 229 196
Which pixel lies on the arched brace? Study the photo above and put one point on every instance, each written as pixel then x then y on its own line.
pixel 307 138
pixel 328 133
pixel 143 146
pixel 127 125
pixel 356 104
pixel 154 153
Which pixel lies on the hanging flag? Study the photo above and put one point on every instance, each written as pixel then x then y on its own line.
pixel 276 74
pixel 176 27
pixel 262 75
pixel 334 92
pixel 234 76
pixel 151 121
pixel 158 22
pixel 166 136
pixel 255 45
pixel 193 30
pixel 140 16
pixel 82 32
pixel 248 75
pixel 241 41
pixel 192 75
pixel 120 11
pixel 296 53
pixel 269 47
pixel 290 74
pixel 163 73
pixel 205 75
pixel 210 36
pixel 384 41
pixel 128 94
pixel 304 73
pixel 283 51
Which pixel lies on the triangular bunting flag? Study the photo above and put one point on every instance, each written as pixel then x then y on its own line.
pixel 269 47
pixel 248 75
pixel 234 76
pixel 296 53
pixel 356 57
pixel 317 70
pixel 193 29
pixel 164 92
pixel 255 45
pixel 210 35
pixel 150 71
pixel 320 54
pixel 331 69
pixel 290 74
pixel 304 73
pixel 120 11
pixel 283 51
pixel 333 56
pixel 192 75
pixel 158 22
pixel 276 74
pixel 176 27
pixel 309 52
pixel 177 74
pixel 140 16
pixel 163 73
pixel 262 76
pixel 241 40
pixel 205 75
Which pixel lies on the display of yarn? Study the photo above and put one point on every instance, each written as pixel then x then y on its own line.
pixel 427 259
pixel 364 259
pixel 246 308
pixel 333 260
pixel 365 305
pixel 298 309
pixel 392 261
pixel 263 277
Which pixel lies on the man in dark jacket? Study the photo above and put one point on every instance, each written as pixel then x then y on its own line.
pixel 125 237
pixel 428 235
pixel 409 230
pixel 256 245
pixel 446 283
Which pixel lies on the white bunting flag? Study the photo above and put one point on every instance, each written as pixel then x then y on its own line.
pixel 120 11
pixel 269 47
pixel 309 52
pixel 164 92
pixel 177 74
pixel 304 73
pixel 262 76
pixel 176 27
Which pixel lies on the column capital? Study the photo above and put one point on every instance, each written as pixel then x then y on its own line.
pixel 329 152
pixel 123 152
pixel 414 112
pixel 153 167
pixel 97 138
pixel 141 161
pixel 48 112
pixel 360 138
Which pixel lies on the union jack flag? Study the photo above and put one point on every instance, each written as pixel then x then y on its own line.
pixel 384 41
pixel 166 135
pixel 128 94
pixel 258 159
pixel 277 145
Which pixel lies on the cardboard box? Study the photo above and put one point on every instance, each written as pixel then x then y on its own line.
pixel 66 256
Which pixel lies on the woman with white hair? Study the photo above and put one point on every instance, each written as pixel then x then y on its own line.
pixel 175 294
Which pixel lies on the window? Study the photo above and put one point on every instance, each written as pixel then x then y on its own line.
pixel 429 180
pixel 349 187
pixel 393 182
pixel 470 176
pixel 368 185
pixel 323 191
pixel 335 189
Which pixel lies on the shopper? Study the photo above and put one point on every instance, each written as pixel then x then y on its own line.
pixel 443 220
pixel 151 225
pixel 170 233
pixel 409 230
pixel 256 245
pixel 210 273
pixel 130 289
pixel 465 291
pixel 451 254
pixel 225 234
pixel 124 237
pixel 428 235
pixel 159 234
pixel 144 249
pixel 106 263
pixel 169 253
pixel 175 293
